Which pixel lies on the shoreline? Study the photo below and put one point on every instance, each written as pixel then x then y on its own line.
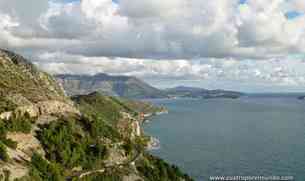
pixel 153 143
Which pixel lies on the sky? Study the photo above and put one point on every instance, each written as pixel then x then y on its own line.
pixel 245 45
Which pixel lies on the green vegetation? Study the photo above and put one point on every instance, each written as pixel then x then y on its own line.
pixel 98 128
pixel 97 105
pixel 10 143
pixel 23 124
pixel 66 143
pixel 3 152
pixel 41 170
pixel 6 105
pixel 16 124
pixel 153 168
pixel 143 106
pixel 109 108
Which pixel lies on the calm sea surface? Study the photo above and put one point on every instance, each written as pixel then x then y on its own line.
pixel 248 136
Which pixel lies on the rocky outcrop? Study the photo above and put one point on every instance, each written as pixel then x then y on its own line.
pixel 15 170
pixel 136 129
pixel 129 126
pixel 55 107
pixel 27 144
pixel 41 108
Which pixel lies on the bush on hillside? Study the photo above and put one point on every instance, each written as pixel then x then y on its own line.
pixel 3 152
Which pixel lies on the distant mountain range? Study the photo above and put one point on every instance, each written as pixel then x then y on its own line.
pixel 132 87
pixel 122 86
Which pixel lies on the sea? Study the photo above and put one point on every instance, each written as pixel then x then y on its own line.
pixel 256 135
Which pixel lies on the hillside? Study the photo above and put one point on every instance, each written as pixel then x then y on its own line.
pixel 123 86
pixel 195 92
pixel 46 136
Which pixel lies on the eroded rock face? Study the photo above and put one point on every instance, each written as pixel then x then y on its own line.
pixel 41 108
pixel 129 127
pixel 27 143
pixel 16 170
pixel 136 129
pixel 132 177
pixel 55 107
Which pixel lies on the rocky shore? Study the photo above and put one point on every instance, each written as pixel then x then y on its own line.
pixel 153 144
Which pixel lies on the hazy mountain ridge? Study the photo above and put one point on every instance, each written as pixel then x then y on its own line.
pixel 123 86
pixel 132 87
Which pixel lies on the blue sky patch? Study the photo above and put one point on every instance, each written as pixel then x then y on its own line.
pixel 242 1
pixel 293 14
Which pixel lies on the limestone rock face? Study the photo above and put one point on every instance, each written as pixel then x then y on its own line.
pixel 136 129
pixel 55 107
pixel 41 108
pixel 129 127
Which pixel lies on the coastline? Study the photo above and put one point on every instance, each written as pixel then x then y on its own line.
pixel 153 143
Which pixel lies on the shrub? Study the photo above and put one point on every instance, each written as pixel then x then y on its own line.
pixel 16 124
pixel 42 170
pixel 3 152
pixel 154 168
pixel 99 128
pixel 10 143
pixel 23 125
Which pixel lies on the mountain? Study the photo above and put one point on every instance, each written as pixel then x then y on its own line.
pixel 123 86
pixel 194 92
pixel 45 135
pixel 134 88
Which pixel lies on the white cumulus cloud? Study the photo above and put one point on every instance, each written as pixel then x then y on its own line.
pixel 219 40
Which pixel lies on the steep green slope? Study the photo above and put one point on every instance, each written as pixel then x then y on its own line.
pixel 108 108
pixel 20 77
